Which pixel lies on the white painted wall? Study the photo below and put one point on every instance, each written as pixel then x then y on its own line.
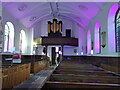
pixel 18 27
pixel 67 24
pixel 1 46
pixel 30 33
pixel 0 9
pixel 41 28
pixel 82 40
pixel 37 30
pixel 102 17
pixel 69 51
pixel 1 27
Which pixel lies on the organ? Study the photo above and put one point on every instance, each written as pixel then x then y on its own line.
pixel 55 28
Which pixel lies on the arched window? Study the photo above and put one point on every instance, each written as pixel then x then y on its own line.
pixel 88 42
pixel 22 44
pixel 111 29
pixel 117 30
pixel 8 37
pixel 97 38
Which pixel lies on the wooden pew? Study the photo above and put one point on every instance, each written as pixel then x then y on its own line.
pixel 108 67
pixel 13 76
pixel 84 78
pixel 84 72
pixel 107 62
pixel 79 68
pixel 39 65
pixel 77 85
pixel 75 75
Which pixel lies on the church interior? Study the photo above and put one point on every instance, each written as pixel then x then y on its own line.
pixel 58 45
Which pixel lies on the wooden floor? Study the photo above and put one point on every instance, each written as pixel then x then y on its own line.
pixel 72 74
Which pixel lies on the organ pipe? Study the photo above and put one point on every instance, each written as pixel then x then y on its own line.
pixel 54 25
pixel 49 26
pixel 57 27
pixel 60 26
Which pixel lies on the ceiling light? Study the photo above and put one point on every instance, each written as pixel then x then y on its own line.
pixel 82 7
pixel 22 7
pixel 33 18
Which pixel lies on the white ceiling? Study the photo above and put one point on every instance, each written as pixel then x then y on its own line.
pixel 30 13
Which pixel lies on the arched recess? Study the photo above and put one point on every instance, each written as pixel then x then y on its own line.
pixel 88 42
pixel 22 42
pixel 111 29
pixel 97 38
pixel 8 37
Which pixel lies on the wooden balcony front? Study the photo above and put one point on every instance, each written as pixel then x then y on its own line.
pixel 69 41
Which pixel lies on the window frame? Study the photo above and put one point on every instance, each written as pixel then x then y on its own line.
pixel 116 27
pixel 9 37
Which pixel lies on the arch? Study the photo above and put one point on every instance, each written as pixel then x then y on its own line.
pixel 9 37
pixel 111 29
pixel 97 38
pixel 88 42
pixel 22 42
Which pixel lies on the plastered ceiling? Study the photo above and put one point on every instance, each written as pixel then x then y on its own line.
pixel 30 13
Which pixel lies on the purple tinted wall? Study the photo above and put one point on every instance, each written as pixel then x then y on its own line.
pixel 88 42
pixel 97 38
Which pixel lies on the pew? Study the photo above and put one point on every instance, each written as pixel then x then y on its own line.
pixel 71 74
pixel 39 65
pixel 108 67
pixel 84 78
pixel 14 75
pixel 107 62
pixel 84 72
pixel 77 85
